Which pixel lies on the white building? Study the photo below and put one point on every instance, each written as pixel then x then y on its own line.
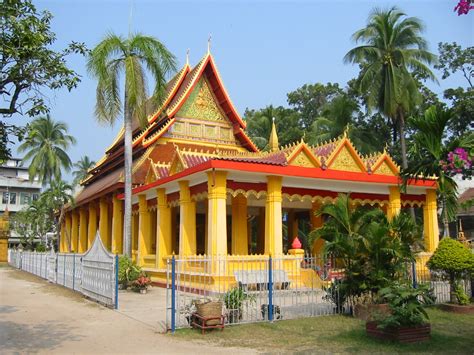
pixel 16 189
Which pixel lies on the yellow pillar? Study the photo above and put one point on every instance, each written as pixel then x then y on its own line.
pixel 117 225
pixel 163 229
pixel 394 202
pixel 316 222
pixel 75 231
pixel 63 240
pixel 239 225
pixel 187 220
pixel 82 245
pixel 92 229
pixel 273 222
pixel 68 233
pixel 143 230
pixel 261 231
pixel 217 215
pixel 430 221
pixel 104 222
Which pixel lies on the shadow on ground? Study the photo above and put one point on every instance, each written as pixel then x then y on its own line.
pixel 21 337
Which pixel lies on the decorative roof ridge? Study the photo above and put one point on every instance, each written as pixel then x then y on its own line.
pixel 141 160
pixel 166 125
pixel 219 77
pixel 194 72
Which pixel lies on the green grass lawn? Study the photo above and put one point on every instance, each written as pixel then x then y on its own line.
pixel 450 333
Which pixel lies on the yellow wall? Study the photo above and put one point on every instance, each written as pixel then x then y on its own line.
pixel 239 225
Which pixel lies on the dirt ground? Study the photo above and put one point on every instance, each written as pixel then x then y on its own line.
pixel 39 317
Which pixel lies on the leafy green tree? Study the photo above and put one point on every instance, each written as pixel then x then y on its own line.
pixel 32 223
pixel 259 125
pixel 454 259
pixel 46 145
pixel 426 154
pixel 453 59
pixel 309 100
pixel 28 65
pixel 392 51
pixel 81 169
pixel 131 56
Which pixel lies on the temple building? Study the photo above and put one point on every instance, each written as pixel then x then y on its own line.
pixel 202 187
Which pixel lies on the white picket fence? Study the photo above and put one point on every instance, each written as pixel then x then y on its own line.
pixel 94 273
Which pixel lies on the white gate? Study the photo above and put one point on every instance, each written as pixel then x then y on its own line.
pixel 99 274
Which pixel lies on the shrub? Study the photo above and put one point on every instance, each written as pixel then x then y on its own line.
pixel 406 306
pixel 455 260
pixel 128 271
pixel 461 296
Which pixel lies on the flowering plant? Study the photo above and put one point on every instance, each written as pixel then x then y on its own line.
pixel 458 162
pixel 142 282
pixel 463 7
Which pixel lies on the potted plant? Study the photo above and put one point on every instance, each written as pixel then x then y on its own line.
pixel 456 262
pixel 141 283
pixel 128 272
pixel 233 300
pixel 407 321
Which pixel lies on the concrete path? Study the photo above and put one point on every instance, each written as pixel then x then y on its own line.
pixel 38 317
pixel 149 309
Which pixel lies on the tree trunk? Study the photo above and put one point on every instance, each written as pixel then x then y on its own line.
pixel 452 291
pixel 401 127
pixel 127 220
pixel 445 218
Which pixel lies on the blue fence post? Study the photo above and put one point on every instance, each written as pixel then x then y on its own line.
pixel 173 300
pixel 116 279
pixel 73 270
pixel 270 289
pixel 413 271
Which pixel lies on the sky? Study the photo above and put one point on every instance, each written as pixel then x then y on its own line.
pixel 263 49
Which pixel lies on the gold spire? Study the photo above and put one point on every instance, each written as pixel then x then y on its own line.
pixel 273 141
pixel 187 57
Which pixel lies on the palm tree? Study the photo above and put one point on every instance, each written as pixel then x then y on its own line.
pixel 46 145
pixel 426 154
pixel 82 168
pixel 56 197
pixel 393 50
pixel 339 116
pixel 113 56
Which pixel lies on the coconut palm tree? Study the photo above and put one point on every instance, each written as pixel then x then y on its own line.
pixel 115 56
pixel 392 51
pixel 81 169
pixel 46 145
pixel 427 152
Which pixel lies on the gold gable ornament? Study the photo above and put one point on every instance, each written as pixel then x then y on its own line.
pixel 201 104
pixel 345 161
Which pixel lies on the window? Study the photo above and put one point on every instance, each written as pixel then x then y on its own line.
pixel 25 198
pixel 12 198
pixel 35 197
pixel 4 198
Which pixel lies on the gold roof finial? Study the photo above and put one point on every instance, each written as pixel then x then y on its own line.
pixel 346 131
pixel 209 44
pixel 273 141
pixel 187 56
